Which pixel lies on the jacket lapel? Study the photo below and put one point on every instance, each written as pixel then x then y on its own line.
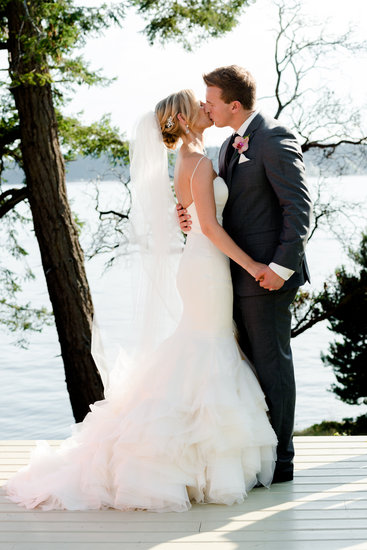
pixel 253 126
pixel 222 157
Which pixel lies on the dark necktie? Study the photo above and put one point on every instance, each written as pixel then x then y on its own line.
pixel 230 150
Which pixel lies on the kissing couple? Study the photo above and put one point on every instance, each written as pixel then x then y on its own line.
pixel 205 416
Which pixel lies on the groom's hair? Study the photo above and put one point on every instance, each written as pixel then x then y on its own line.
pixel 236 83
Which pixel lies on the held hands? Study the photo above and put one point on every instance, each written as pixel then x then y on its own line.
pixel 184 219
pixel 262 273
pixel 266 277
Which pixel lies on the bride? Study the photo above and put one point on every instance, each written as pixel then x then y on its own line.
pixel 188 421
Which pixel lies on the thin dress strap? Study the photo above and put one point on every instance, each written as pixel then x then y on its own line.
pixel 193 174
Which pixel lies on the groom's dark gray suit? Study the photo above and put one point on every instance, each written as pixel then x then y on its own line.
pixel 268 215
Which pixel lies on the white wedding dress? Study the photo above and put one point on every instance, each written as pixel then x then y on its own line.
pixel 188 425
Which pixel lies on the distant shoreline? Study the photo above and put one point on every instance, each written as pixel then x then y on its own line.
pixel 89 168
pixel 348 426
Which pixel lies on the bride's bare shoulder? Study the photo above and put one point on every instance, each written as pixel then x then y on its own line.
pixel 187 163
pixel 203 166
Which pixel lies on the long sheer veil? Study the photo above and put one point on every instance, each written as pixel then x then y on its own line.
pixel 155 245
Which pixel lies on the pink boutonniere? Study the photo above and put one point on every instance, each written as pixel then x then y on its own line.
pixel 241 144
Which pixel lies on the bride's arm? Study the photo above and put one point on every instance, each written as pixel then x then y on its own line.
pixel 203 195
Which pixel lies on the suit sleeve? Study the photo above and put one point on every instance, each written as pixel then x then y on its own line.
pixel 284 167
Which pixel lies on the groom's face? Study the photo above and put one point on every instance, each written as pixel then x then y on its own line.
pixel 219 111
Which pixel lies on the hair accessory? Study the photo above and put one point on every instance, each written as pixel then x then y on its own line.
pixel 169 122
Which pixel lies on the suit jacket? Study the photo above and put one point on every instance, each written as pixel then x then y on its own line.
pixel 268 210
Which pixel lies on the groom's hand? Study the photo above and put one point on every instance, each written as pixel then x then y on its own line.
pixel 267 278
pixel 184 219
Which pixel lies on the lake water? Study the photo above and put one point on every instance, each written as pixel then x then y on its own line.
pixel 35 404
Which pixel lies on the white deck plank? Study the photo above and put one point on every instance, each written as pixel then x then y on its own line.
pixel 115 516
pixel 90 535
pixel 324 508
pixel 219 525
pixel 135 546
pixel 274 545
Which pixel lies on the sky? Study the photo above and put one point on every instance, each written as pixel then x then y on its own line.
pixel 145 74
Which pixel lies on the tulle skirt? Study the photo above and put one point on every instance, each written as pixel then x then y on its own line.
pixel 190 424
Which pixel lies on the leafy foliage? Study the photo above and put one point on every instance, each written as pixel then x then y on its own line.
pixel 348 356
pixel 60 27
pixel 348 426
pixel 190 21
pixel 92 140
pixel 343 303
pixel 17 317
pixel 339 293
pixel 9 132
pixel 47 57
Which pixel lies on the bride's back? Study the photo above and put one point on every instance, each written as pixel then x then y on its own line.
pixel 184 169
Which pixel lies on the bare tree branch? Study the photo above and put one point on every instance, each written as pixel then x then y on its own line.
pixel 302 324
pixel 332 146
pixel 114 213
pixel 10 198
pixel 300 45
pixel 111 231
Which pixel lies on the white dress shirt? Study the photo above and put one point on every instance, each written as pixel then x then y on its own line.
pixel 242 129
pixel 283 272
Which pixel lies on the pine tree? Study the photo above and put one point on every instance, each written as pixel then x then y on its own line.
pixel 348 354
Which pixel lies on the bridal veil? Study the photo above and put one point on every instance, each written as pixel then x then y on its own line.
pixel 156 245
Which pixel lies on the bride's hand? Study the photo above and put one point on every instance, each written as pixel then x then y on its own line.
pixel 256 269
pixel 184 219
pixel 265 276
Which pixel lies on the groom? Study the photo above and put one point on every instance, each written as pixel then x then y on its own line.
pixel 268 215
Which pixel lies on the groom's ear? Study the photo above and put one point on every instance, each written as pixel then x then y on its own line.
pixel 236 106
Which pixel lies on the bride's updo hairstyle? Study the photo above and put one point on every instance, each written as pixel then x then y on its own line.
pixel 167 109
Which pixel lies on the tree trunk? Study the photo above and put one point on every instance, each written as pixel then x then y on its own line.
pixel 55 229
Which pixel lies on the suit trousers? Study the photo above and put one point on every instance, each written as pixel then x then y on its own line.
pixel 264 333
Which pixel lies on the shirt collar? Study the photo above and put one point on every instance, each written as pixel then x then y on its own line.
pixel 242 129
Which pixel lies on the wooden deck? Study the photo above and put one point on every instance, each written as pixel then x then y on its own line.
pixel 324 508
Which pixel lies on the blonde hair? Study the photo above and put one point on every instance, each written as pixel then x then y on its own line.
pixel 167 109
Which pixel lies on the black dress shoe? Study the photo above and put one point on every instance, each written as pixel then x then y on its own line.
pixel 280 477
